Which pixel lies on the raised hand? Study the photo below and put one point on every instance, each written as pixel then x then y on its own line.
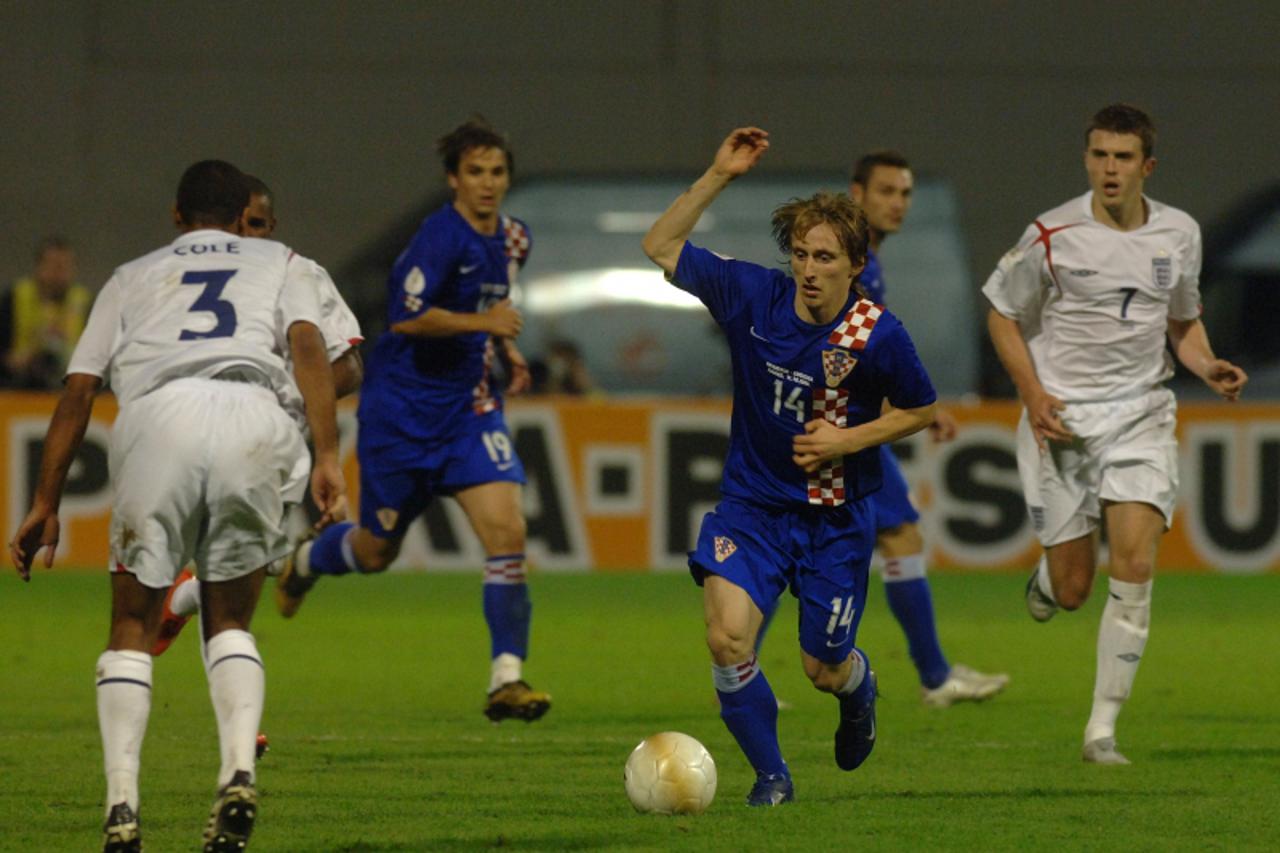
pixel 740 152
pixel 503 319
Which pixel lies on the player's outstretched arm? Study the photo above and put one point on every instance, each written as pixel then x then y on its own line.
pixel 1042 407
pixel 40 529
pixel 315 380
pixel 1191 345
pixel 736 156
pixel 823 441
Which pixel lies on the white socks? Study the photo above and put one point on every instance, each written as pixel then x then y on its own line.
pixel 504 669
pixel 237 685
pixel 124 703
pixel 1122 636
pixel 856 674
pixel 735 676
pixel 903 568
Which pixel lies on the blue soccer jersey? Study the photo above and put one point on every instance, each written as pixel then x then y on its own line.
pixel 420 388
pixel 787 372
pixel 872 279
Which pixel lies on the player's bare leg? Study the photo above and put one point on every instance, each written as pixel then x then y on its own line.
pixel 497 517
pixel 1063 577
pixel 910 598
pixel 123 678
pixel 1133 533
pixel 237 688
pixel 747 704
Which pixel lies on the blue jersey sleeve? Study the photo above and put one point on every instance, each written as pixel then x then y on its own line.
pixel 422 271
pixel 907 384
pixel 722 284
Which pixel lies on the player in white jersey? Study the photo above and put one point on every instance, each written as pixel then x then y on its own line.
pixel 342 336
pixel 202 457
pixel 1080 312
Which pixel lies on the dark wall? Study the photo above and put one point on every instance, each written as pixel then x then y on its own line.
pixel 336 105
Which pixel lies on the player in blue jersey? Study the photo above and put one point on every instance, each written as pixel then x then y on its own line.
pixel 430 415
pixel 813 364
pixel 882 186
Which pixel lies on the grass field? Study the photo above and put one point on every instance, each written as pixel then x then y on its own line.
pixel 378 743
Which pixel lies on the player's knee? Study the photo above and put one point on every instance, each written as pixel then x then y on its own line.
pixel 825 677
pixel 728 646
pixel 375 555
pixel 1073 592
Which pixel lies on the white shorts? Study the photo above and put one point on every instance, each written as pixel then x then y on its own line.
pixel 1125 450
pixel 201 469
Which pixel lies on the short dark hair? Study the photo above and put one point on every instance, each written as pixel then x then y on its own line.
pixel 51 243
pixel 257 186
pixel 475 132
pixel 799 215
pixel 880 157
pixel 212 192
pixel 1125 118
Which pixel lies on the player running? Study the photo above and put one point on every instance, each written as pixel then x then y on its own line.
pixel 342 337
pixel 882 186
pixel 813 361
pixel 1080 312
pixel 203 456
pixel 431 419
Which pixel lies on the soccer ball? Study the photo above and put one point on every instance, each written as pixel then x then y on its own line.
pixel 670 773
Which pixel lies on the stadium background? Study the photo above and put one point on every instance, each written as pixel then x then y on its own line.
pixel 338 106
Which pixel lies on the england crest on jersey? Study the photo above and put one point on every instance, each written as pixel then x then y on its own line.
pixel 836 365
pixel 1162 271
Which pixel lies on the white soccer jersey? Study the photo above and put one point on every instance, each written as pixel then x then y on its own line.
pixel 338 324
pixel 207 302
pixel 1093 303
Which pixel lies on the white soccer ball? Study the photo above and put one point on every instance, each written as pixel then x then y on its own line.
pixel 670 773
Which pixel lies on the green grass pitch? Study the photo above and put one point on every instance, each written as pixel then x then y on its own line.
pixel 373 708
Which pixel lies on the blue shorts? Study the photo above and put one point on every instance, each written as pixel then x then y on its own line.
pixel 823 554
pixel 395 492
pixel 892 504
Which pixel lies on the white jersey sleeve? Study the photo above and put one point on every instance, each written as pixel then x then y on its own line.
pixel 1184 303
pixel 101 335
pixel 1017 286
pixel 298 302
pixel 340 327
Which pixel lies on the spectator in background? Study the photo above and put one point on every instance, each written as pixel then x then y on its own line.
pixel 41 318
pixel 562 371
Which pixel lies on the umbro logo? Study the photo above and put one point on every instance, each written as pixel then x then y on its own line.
pixel 1083 273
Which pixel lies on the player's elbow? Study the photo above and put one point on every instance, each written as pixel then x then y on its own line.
pixel 661 251
pixel 923 416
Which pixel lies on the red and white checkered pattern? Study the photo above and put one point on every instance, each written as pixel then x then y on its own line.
pixel 724 548
pixel 516 239
pixel 855 329
pixel 826 485
pixel 482 402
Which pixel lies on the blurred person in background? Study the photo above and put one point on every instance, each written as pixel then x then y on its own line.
pixel 882 185
pixel 41 319
pixel 562 371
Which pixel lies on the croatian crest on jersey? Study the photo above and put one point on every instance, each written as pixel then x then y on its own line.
pixel 724 548
pixel 1162 271
pixel 836 365
pixel 387 517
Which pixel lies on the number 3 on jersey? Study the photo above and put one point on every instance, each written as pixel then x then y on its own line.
pixel 210 300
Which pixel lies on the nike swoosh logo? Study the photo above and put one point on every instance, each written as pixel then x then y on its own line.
pixel 506 466
pixel 757 336
pixel 470 269
pixel 872 736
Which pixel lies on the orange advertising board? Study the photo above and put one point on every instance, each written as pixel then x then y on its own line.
pixel 622 485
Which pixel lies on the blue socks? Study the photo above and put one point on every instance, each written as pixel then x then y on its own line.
pixel 912 605
pixel 750 711
pixel 330 553
pixel 507 609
